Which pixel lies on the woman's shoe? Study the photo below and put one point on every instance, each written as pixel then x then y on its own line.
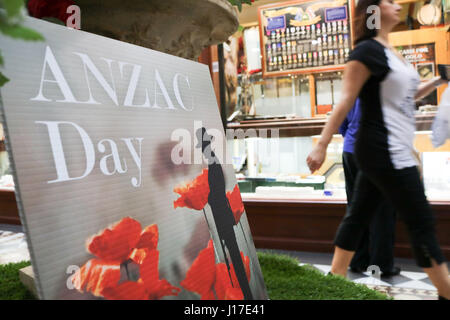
pixel 359 269
pixel 393 272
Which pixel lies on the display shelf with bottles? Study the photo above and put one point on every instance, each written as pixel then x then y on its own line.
pixel 305 36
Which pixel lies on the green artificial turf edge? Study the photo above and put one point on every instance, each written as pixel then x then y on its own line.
pixel 283 277
pixel 10 286
pixel 286 280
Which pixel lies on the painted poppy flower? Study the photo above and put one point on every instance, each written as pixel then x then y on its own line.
pixel 212 280
pixel 117 245
pixel 127 290
pixel 226 289
pixel 149 272
pixel 236 204
pixel 50 8
pixel 96 275
pixel 223 286
pixel 147 287
pixel 201 275
pixel 194 195
pixel 147 242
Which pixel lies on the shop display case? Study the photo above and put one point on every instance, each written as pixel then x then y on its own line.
pixel 287 97
pixel 283 164
pixel 277 98
pixel 8 207
pixel 297 104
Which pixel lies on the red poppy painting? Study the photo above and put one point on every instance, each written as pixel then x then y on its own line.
pixel 194 194
pixel 114 247
pixel 236 204
pixel 214 281
pixel 201 275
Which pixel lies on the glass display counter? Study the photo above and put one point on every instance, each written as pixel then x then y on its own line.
pixel 290 209
pixel 6 181
pixel 281 97
pixel 267 168
pixel 8 212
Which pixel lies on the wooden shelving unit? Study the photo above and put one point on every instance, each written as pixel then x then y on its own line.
pixel 303 127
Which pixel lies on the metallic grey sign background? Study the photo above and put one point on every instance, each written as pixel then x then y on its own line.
pixel 59 217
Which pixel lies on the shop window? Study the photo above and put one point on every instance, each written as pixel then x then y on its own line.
pixel 6 180
pixel 328 88
pixel 273 97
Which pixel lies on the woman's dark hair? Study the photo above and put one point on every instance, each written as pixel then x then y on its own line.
pixel 362 32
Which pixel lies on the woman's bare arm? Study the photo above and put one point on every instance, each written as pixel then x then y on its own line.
pixel 428 87
pixel 355 75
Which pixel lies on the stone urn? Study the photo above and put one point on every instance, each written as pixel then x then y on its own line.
pixel 179 27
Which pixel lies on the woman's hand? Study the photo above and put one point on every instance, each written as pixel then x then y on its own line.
pixel 316 158
pixel 438 81
pixel 355 75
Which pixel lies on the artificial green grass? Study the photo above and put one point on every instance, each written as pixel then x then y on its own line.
pixel 284 279
pixel 10 286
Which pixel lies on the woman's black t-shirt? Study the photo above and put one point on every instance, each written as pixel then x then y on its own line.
pixel 387 125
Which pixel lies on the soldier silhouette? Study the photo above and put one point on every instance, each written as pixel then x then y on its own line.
pixel 221 211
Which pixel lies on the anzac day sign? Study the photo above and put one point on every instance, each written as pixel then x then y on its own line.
pixel 120 189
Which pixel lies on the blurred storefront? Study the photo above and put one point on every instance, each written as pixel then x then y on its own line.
pixel 283 71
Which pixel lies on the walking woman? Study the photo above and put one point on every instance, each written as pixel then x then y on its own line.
pixel 387 87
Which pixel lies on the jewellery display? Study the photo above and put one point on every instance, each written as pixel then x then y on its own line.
pixel 310 34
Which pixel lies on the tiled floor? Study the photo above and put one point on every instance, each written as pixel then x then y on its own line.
pixel 410 284
pixel 13 244
pixel 406 286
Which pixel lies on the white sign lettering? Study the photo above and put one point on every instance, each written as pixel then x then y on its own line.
pixel 109 86
pixel 61 163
